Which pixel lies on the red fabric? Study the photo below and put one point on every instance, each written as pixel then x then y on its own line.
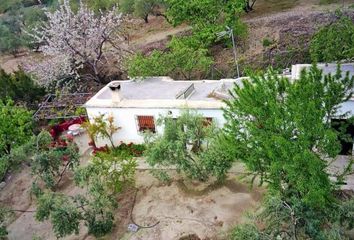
pixel 56 130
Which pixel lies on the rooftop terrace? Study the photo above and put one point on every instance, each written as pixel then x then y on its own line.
pixel 165 92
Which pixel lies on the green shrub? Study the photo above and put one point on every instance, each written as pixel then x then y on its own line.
pixel 191 145
pixel 4 166
pixel 185 59
pixel 267 42
pixel 334 42
pixel 245 232
pixel 20 87
pixel 116 167
pixel 15 126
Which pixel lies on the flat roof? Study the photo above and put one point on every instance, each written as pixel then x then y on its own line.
pixel 327 68
pixel 162 92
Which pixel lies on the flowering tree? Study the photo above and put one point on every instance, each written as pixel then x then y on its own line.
pixel 76 41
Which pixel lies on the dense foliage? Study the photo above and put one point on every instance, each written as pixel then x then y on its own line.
pixel 115 169
pixel 191 144
pixel 14 24
pixel 105 176
pixel 207 17
pixel 4 213
pixel 334 42
pixel 20 87
pixel 181 61
pixel 188 57
pixel 282 131
pixel 53 159
pixel 67 212
pixel 15 126
pixel 108 174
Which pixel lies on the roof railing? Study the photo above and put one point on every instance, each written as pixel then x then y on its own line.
pixel 186 92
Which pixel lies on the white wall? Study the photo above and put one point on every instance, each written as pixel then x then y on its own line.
pixel 126 119
pixel 347 107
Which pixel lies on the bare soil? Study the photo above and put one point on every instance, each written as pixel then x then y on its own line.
pixel 182 208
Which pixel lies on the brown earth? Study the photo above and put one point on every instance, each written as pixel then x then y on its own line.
pixel 182 208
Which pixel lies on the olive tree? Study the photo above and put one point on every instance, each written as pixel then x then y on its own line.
pixel 191 144
pixel 52 160
pixel 143 8
pixel 107 175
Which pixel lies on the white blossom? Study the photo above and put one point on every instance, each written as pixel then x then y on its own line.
pixel 74 41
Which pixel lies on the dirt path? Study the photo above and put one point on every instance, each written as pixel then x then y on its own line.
pixel 159 36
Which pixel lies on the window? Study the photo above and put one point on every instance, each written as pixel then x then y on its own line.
pixel 146 123
pixel 207 121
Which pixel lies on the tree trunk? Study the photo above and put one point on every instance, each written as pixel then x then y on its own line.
pixel 249 7
pixel 146 18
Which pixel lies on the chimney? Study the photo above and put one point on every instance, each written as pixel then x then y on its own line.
pixel 115 92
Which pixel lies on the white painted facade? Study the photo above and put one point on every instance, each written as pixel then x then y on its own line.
pixel 133 100
pixel 126 118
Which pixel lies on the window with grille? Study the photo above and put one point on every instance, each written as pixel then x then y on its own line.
pixel 146 123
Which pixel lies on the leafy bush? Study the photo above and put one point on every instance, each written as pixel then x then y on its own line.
pixel 4 166
pixel 131 149
pixel 62 212
pixel 101 179
pixel 207 17
pixel 4 214
pixel 11 39
pixel 20 87
pixel 102 127
pixel 185 59
pixel 116 168
pixel 245 232
pixel 53 159
pixel 15 126
pixel 17 156
pixel 334 42
pixel 267 42
pixel 189 144
pixel 15 23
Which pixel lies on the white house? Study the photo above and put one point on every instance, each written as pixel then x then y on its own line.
pixel 330 68
pixel 136 105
